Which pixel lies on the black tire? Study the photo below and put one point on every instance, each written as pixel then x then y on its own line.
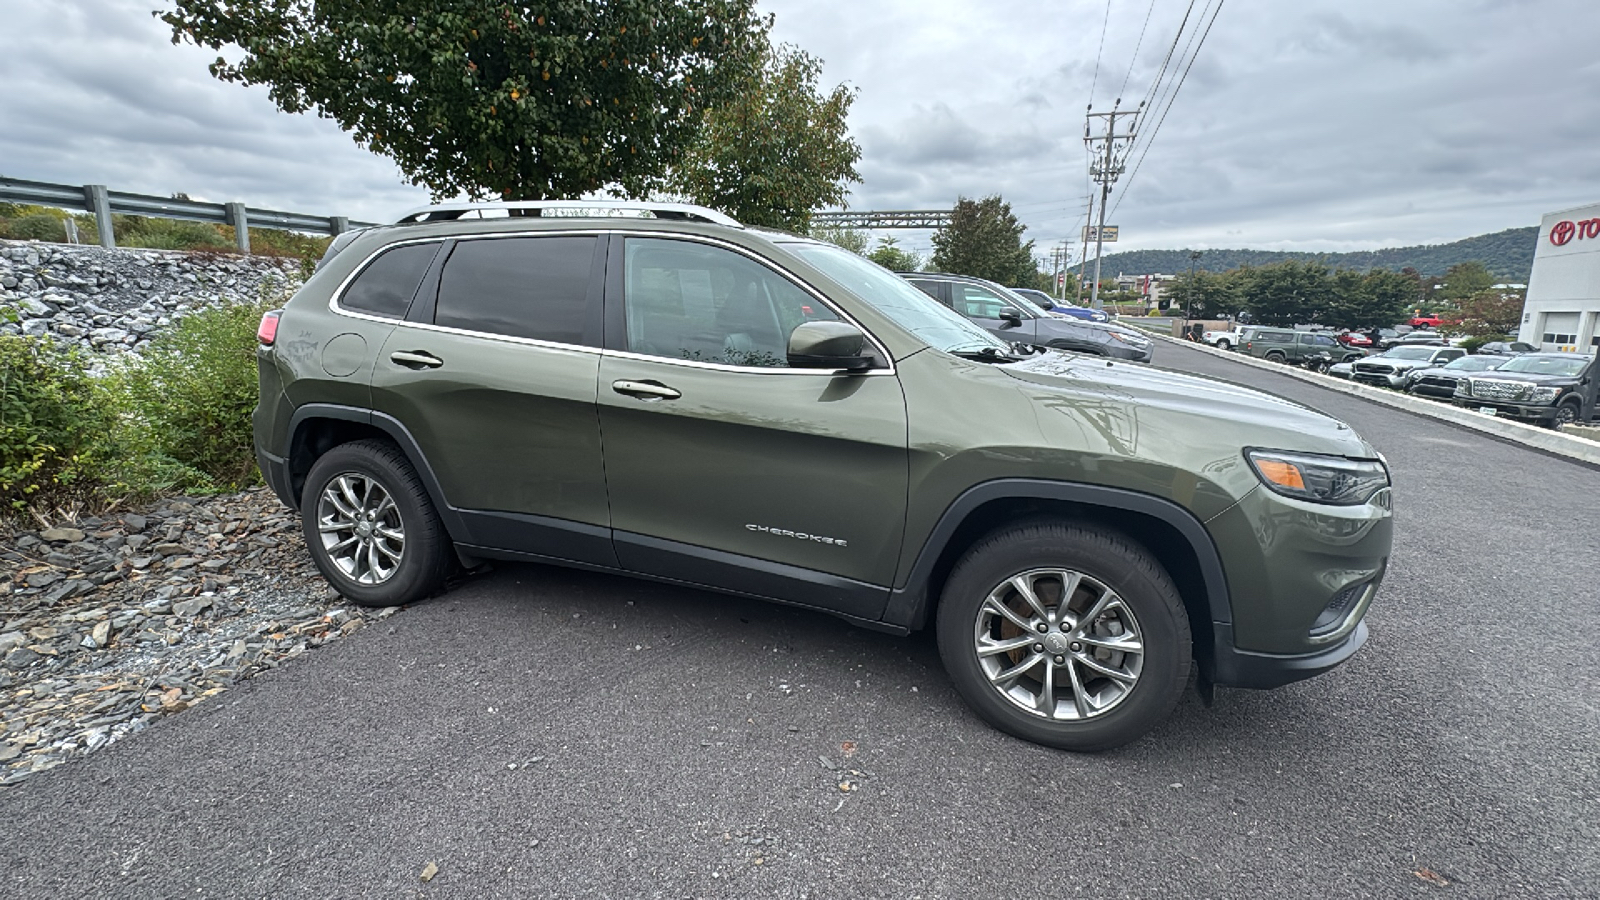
pixel 1322 365
pixel 425 558
pixel 1158 619
pixel 1276 357
pixel 1566 414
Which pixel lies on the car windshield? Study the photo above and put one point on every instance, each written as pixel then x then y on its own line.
pixel 1409 353
pixel 1546 365
pixel 1472 364
pixel 893 296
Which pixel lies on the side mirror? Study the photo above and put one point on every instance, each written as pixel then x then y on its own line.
pixel 1010 316
pixel 828 345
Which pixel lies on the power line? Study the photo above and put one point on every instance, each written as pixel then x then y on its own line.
pixel 1170 100
pixel 1096 80
pixel 1162 72
pixel 1137 44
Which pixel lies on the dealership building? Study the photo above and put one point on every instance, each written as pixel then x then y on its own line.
pixel 1563 308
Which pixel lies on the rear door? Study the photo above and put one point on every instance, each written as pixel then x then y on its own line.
pixel 494 374
pixel 726 467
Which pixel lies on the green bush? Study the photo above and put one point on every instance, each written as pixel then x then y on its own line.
pixel 168 234
pixel 52 419
pixel 38 227
pixel 186 404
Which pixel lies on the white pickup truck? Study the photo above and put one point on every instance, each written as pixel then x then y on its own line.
pixel 1224 340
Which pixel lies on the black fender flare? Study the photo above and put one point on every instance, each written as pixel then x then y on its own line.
pixel 390 426
pixel 909 602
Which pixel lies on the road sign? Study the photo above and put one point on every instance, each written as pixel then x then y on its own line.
pixel 1061 281
pixel 1108 234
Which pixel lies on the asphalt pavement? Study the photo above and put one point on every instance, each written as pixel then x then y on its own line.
pixel 540 732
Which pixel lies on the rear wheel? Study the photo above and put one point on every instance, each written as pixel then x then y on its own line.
pixel 1276 357
pixel 1224 345
pixel 370 526
pixel 1067 636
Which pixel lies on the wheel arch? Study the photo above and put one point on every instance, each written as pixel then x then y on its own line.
pixel 316 428
pixel 1169 532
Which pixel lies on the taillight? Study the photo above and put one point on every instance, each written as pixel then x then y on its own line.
pixel 1247 344
pixel 268 332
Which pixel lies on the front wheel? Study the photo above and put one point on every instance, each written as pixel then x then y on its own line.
pixel 370 526
pixel 1566 414
pixel 1067 636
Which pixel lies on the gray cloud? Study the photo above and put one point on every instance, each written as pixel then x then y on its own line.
pixel 1323 124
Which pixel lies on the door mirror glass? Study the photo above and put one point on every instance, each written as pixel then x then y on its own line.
pixel 828 345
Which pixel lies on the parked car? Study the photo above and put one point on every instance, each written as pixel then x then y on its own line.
pixel 1341 370
pixel 1060 307
pixel 1506 348
pixel 1011 318
pixel 1223 340
pixel 1383 337
pixel 1301 348
pixel 1440 381
pixel 786 420
pixel 1548 388
pixel 1431 320
pixel 1353 339
pixel 1391 367
pixel 1420 338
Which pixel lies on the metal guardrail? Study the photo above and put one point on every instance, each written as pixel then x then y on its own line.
pixel 893 218
pixel 104 203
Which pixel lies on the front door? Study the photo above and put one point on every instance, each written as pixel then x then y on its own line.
pixel 983 307
pixel 726 467
pixel 494 374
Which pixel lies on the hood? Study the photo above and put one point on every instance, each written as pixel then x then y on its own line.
pixel 1250 417
pixel 1526 378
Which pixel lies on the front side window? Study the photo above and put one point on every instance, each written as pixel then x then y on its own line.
pixel 979 302
pixel 692 301
pixel 527 287
pixel 385 287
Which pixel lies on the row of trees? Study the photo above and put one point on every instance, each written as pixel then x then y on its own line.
pixel 637 98
pixel 1299 292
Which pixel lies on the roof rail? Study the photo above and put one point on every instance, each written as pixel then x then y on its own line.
pixel 515 208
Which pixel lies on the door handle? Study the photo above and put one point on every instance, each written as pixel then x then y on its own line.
pixel 645 390
pixel 415 359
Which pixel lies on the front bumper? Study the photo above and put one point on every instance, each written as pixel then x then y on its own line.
pixel 1130 352
pixel 1543 414
pixel 1232 667
pixel 1397 380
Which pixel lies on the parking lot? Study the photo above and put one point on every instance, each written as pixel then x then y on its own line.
pixel 545 732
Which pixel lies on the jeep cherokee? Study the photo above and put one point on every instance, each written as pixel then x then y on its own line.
pixel 672 396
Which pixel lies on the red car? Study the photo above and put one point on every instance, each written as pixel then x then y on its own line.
pixel 1354 339
pixel 1431 320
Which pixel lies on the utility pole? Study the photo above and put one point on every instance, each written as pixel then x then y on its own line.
pixel 1108 165
pixel 1084 259
pixel 1188 295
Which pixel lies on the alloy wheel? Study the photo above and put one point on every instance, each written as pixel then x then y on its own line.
pixel 360 528
pixel 1059 644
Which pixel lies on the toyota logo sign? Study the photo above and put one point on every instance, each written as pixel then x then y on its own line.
pixel 1562 233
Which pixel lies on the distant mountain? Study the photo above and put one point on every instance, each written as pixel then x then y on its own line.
pixel 1508 254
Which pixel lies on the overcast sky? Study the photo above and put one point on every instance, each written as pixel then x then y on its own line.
pixel 1316 124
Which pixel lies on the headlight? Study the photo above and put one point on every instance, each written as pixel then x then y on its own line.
pixel 1545 394
pixel 1320 479
pixel 1464 388
pixel 1118 337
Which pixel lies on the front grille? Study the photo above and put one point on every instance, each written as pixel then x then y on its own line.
pixel 1363 368
pixel 1438 381
pixel 1489 389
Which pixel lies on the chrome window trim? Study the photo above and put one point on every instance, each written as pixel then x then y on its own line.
pixel 339 292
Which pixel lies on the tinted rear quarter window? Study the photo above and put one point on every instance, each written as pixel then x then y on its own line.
pixel 532 287
pixel 385 287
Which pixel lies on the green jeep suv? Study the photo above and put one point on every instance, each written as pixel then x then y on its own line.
pixel 662 393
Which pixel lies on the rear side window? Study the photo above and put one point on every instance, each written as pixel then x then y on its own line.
pixel 1274 337
pixel 533 287
pixel 385 287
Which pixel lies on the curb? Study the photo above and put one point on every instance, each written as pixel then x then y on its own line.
pixel 1556 442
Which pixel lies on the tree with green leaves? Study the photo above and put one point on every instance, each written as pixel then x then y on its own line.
pixel 1489 313
pixel 889 255
pixel 778 150
pixel 853 239
pixel 1286 293
pixel 1464 280
pixel 496 99
pixel 1376 299
pixel 1206 295
pixel 984 239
